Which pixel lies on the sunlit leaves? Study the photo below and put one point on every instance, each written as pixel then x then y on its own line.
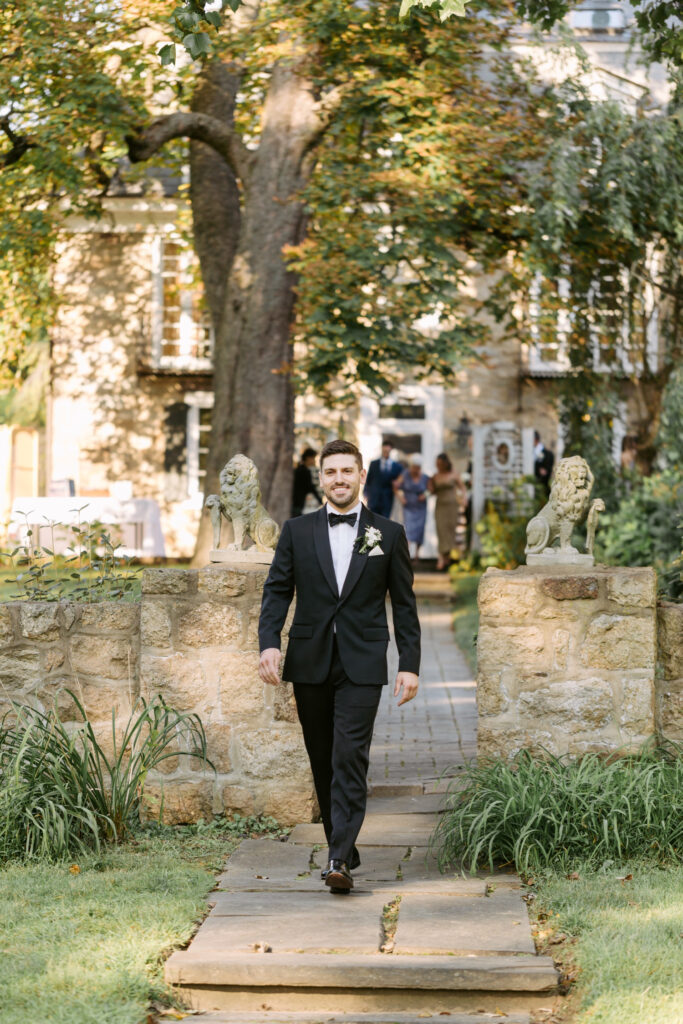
pixel 446 8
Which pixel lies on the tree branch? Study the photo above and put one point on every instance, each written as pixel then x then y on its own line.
pixel 20 144
pixel 200 127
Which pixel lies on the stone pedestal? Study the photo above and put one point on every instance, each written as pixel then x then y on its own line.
pixel 669 682
pixel 199 649
pixel 566 659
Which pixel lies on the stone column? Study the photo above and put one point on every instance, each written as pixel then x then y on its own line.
pixel 669 684
pixel 566 659
pixel 199 649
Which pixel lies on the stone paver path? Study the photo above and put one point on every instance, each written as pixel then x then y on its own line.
pixel 408 942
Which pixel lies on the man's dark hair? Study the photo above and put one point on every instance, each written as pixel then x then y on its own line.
pixel 339 447
pixel 307 452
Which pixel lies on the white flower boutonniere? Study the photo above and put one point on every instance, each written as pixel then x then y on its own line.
pixel 370 539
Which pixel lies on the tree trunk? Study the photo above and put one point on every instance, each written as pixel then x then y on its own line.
pixel 253 398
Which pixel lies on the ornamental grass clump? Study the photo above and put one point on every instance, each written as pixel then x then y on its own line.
pixel 538 812
pixel 61 795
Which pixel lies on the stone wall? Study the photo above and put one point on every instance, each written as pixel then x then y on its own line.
pixel 566 660
pixel 669 681
pixel 192 639
pixel 199 648
pixel 49 648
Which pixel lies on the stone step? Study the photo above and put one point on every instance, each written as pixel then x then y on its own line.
pixel 213 979
pixel 266 1017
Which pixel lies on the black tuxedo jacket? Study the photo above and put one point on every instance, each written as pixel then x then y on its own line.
pixel 303 564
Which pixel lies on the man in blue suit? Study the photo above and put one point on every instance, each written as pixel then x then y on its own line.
pixel 379 486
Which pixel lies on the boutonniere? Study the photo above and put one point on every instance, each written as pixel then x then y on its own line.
pixel 370 539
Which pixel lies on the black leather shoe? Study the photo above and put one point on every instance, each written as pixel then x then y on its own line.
pixel 354 864
pixel 338 877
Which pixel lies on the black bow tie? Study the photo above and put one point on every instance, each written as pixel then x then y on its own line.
pixel 334 518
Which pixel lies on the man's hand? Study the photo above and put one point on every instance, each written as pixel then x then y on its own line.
pixel 406 681
pixel 269 666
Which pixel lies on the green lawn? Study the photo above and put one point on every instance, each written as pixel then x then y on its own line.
pixel 84 944
pixel 466 614
pixel 624 944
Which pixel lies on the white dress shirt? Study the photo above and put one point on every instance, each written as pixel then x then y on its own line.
pixel 342 538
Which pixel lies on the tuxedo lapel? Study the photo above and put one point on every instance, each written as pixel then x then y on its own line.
pixel 358 561
pixel 321 539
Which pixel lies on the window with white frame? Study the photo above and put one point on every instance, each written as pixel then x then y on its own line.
pixel 199 410
pixel 613 312
pixel 182 335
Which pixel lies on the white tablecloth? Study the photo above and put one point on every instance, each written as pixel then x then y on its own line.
pixel 139 519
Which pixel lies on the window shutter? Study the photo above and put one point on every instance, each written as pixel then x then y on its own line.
pixel 175 429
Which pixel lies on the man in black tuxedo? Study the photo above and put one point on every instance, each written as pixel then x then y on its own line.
pixel 379 485
pixel 341 561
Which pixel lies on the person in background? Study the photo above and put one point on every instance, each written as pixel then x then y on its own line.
pixel 379 485
pixel 629 452
pixel 450 493
pixel 544 460
pixel 303 482
pixel 411 489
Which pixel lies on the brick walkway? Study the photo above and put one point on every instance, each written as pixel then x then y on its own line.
pixel 460 945
pixel 437 731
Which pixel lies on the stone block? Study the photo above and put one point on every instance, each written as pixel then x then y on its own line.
pixel 155 624
pixel 570 587
pixel 207 625
pixel 284 705
pixel 506 595
pixel 179 680
pixel 111 616
pixel 110 657
pixel 619 642
pixel 289 806
pixel 519 646
pixel 168 581
pixel 561 641
pixel 218 746
pixel 19 668
pixel 578 706
pixel 273 754
pixel 492 696
pixel 637 706
pixel 234 674
pixel 38 620
pixel 6 626
pixel 223 582
pixel 237 800
pixel 435 923
pixel 100 699
pixel 253 616
pixel 53 658
pixel 69 613
pixel 670 713
pixel 180 803
pixel 670 640
pixel 501 738
pixel 632 588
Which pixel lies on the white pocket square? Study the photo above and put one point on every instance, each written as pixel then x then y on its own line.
pixel 375 551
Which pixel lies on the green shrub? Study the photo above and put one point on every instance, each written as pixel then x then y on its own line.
pixel 60 795
pixel 647 529
pixel 94 570
pixel 502 528
pixel 552 812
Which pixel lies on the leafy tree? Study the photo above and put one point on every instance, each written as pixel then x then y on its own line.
pixel 324 121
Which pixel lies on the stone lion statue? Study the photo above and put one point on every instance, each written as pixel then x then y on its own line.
pixel 569 504
pixel 240 502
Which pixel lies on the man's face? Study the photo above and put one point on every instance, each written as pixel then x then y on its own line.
pixel 341 480
pixel 386 451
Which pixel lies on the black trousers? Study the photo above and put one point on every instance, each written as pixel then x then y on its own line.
pixel 337 718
